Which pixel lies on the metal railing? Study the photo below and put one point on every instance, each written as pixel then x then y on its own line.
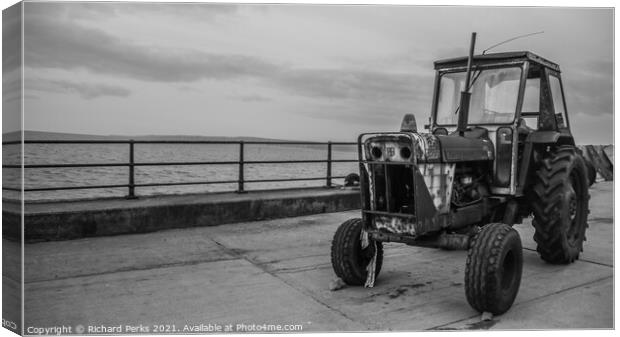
pixel 131 164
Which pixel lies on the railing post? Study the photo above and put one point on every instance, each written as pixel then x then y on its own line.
pixel 240 188
pixel 329 164
pixel 132 194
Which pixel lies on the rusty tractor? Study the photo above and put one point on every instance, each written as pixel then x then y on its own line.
pixel 498 149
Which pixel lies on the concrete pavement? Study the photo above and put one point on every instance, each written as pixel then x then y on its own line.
pixel 278 272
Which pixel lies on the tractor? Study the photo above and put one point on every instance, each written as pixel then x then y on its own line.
pixel 498 149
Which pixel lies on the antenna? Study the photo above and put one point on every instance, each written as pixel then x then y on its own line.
pixel 511 39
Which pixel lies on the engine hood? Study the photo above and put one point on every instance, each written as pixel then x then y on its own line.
pixel 458 149
pixel 427 148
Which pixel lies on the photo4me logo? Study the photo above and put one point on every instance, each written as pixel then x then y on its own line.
pixel 240 328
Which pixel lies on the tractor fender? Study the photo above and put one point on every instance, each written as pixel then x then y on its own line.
pixel 538 137
pixel 549 137
pixel 533 139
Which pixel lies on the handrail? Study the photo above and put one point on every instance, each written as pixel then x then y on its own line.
pixel 219 142
pixel 131 185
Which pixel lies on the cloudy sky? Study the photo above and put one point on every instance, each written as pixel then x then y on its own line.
pixel 310 72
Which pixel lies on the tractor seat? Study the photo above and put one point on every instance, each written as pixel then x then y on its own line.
pixel 475 132
pixel 522 129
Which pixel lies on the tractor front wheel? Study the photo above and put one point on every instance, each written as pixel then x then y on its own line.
pixel 349 260
pixel 493 268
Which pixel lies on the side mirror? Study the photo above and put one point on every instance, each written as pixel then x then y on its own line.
pixel 409 124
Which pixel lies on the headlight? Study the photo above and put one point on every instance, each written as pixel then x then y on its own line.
pixel 405 152
pixel 376 152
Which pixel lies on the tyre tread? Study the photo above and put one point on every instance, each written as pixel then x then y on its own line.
pixel 546 204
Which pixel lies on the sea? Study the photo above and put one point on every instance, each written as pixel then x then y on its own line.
pixel 143 153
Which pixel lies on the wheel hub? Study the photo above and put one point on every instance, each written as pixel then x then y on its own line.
pixel 570 210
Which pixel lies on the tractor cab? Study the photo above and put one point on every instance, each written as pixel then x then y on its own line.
pixel 516 99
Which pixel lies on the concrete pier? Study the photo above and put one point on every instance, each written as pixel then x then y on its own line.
pixel 278 272
pixel 63 220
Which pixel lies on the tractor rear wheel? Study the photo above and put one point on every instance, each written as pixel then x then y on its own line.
pixel 560 206
pixel 349 260
pixel 591 170
pixel 493 268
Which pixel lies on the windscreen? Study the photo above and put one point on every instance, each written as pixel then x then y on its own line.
pixel 493 99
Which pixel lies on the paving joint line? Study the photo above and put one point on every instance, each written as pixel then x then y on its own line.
pixel 124 270
pixel 438 327
pixel 265 270
pixel 582 260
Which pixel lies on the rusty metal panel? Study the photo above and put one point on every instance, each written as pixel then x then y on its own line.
pixel 395 225
pixel 438 179
pixel 424 206
pixel 427 148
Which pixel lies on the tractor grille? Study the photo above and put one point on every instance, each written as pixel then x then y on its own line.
pixel 392 188
pixel 388 163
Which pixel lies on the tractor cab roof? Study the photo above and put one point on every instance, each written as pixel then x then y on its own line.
pixel 496 58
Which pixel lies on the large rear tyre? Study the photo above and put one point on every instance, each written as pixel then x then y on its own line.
pixel 591 170
pixel 493 268
pixel 349 260
pixel 560 206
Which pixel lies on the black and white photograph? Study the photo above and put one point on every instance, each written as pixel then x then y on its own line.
pixel 194 168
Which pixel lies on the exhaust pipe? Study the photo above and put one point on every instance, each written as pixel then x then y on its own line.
pixel 466 95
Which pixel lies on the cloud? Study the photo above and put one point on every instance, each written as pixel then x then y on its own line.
pixel 194 11
pixel 58 44
pixel 381 114
pixel 11 38
pixel 11 86
pixel 103 10
pixel 252 98
pixel 63 42
pixel 50 44
pixel 84 90
pixel 589 87
pixel 188 88
pixel 351 83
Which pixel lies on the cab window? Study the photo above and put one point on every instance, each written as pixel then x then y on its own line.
pixel 493 99
pixel 531 103
pixel 558 101
pixel 531 97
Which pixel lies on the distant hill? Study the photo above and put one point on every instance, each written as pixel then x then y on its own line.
pixel 43 135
